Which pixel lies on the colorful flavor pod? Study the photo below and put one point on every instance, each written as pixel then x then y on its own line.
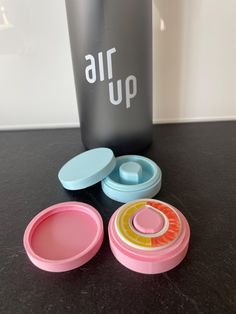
pixel 149 236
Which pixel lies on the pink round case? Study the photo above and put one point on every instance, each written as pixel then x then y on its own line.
pixel 64 236
pixel 149 236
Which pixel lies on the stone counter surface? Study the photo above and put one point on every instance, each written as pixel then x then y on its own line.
pixel 198 162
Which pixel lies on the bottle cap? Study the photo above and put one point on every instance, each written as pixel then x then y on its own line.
pixel 64 236
pixel 149 236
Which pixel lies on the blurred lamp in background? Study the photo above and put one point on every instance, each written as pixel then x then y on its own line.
pixel 4 22
pixel 13 28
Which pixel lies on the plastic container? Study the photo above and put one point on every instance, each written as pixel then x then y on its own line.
pixel 146 236
pixel 149 236
pixel 64 236
pixel 124 179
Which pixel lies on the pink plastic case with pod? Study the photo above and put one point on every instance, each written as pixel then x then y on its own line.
pixel 146 236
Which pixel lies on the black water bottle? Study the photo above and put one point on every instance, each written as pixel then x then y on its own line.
pixel 111 46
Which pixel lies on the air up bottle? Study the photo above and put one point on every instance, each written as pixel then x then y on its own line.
pixel 111 46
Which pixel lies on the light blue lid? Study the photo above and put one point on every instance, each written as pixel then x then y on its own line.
pixel 133 177
pixel 87 168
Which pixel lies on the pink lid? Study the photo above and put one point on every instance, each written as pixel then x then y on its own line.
pixel 149 236
pixel 64 236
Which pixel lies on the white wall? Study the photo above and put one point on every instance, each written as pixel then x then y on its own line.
pixel 194 55
pixel 196 60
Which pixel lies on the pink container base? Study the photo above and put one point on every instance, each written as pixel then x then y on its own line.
pixel 152 261
pixel 146 236
pixel 64 236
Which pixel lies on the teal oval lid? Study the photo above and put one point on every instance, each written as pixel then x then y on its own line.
pixel 133 177
pixel 87 168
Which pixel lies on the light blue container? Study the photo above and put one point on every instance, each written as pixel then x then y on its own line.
pixel 124 179
pixel 133 177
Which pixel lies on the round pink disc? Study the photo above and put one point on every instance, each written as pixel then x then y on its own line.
pixel 148 221
pixel 64 236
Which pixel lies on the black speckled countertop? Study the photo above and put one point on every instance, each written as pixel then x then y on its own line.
pixel 198 162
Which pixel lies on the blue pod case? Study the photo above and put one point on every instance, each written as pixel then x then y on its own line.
pixel 133 177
